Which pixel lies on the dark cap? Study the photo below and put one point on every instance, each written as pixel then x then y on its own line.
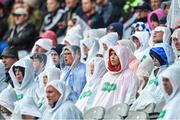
pixel 144 6
pixel 10 52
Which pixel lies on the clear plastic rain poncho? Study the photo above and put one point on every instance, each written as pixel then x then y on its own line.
pixel 3 84
pixel 73 36
pixel 173 17
pixel 7 99
pixel 93 46
pixel 133 61
pixel 152 92
pixel 27 83
pixel 63 108
pixel 74 75
pixel 108 40
pixel 143 37
pixel 94 33
pixel 166 35
pixel 176 34
pixel 114 87
pixel 172 108
pixel 93 81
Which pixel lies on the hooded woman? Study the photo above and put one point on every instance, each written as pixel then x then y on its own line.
pixel 170 86
pixel 140 39
pixel 155 16
pixel 23 77
pixel 160 34
pixel 106 41
pixel 89 48
pixel 176 43
pixel 162 56
pixel 114 87
pixel 58 105
pixel 74 72
pixel 95 71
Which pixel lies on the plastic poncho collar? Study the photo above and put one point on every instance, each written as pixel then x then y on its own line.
pixel 123 55
pixel 165 51
pixel 28 76
pixel 92 45
pixel 61 88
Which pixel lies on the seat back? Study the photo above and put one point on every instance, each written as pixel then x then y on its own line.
pixel 150 108
pixel 137 115
pixel 119 109
pixel 95 113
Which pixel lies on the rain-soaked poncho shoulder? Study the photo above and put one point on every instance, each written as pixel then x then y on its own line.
pixel 93 46
pixel 165 51
pixel 176 34
pixel 3 84
pixel 88 94
pixel 63 109
pixel 109 39
pixel 7 98
pixel 173 17
pixel 143 37
pixel 74 75
pixel 166 35
pixel 94 33
pixel 28 107
pixel 114 87
pixel 172 107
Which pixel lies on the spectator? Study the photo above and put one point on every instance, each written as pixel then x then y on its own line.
pixel 108 11
pixel 58 105
pixel 94 73
pixel 74 72
pixel 36 16
pixel 56 55
pixel 140 39
pixel 90 15
pixel 170 86
pixel 114 87
pixel 9 56
pixel 155 4
pixel 154 18
pixel 162 56
pixel 23 33
pixel 176 43
pixel 53 17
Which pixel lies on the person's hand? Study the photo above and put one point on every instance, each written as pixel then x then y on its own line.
pixel 4 110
